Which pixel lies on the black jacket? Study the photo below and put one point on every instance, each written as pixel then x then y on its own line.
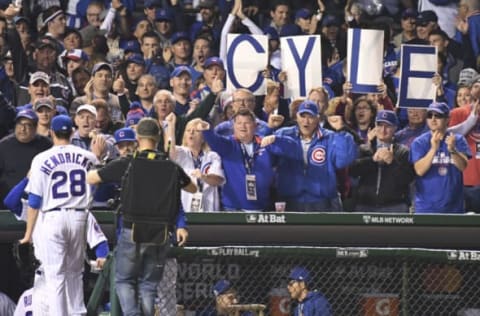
pixel 381 184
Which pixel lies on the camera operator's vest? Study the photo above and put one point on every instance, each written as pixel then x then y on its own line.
pixel 150 189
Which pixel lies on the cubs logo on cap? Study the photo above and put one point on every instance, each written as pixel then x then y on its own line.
pixel 125 134
pixel 388 117
pixel 309 107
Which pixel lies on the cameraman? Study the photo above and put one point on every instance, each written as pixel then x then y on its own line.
pixel 142 249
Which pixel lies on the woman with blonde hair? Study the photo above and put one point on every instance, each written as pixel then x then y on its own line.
pixel 200 163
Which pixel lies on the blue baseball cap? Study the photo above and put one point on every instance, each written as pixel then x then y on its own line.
pixel 271 32
pixel 221 287
pixel 303 13
pixel 439 107
pixel 163 15
pixel 27 113
pixel 299 274
pixel 179 70
pixel 179 36
pixel 212 61
pixel 136 59
pixel 387 116
pixel 129 46
pixel 125 134
pixel 309 107
pixel 61 123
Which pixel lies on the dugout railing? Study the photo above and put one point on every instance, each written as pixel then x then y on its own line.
pixel 364 264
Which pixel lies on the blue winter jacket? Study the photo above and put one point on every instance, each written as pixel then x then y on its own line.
pixel 315 180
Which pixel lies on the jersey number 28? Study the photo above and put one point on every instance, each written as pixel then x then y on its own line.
pixel 68 184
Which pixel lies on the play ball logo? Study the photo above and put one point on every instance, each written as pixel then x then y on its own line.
pixel 319 156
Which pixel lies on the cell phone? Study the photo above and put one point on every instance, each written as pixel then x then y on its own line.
pixel 17 3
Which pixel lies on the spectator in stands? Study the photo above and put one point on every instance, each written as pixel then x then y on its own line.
pixel 38 87
pixel 384 170
pixel 88 138
pixel 306 302
pixel 362 117
pixel 103 121
pixel 316 154
pixel 134 69
pixel 54 24
pixel 213 69
pixel 202 50
pixel 439 158
pixel 243 98
pixel 248 167
pixel 18 149
pixel 99 87
pixel 45 59
pixel 426 22
pixel 94 13
pixel 417 125
pixel 408 28
pixel 181 49
pixel 145 92
pixel 463 96
pixel 73 59
pixel 164 25
pixel 452 66
pixel 203 165
pixel 471 174
pixel 151 50
pixel 164 103
pixel 45 110
pixel 181 83
pixel 72 39
pixel 80 78
pixel 279 14
pixel 125 141
pixel 210 21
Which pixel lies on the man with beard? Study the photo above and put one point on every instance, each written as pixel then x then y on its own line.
pixel 307 302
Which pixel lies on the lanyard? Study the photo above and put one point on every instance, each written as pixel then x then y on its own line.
pixel 247 159
pixel 197 164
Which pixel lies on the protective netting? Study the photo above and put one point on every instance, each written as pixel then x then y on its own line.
pixel 355 281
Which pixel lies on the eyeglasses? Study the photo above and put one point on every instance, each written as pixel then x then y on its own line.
pixel 25 125
pixel 244 101
pixel 431 115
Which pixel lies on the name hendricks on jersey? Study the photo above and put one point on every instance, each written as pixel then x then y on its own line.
pixel 65 158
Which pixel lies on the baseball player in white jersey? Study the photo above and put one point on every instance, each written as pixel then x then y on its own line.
pixel 36 298
pixel 58 189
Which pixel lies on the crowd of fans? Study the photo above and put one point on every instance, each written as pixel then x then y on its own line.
pixel 110 64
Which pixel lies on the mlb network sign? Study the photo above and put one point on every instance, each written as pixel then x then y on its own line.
pixel 388 220
pixel 265 219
